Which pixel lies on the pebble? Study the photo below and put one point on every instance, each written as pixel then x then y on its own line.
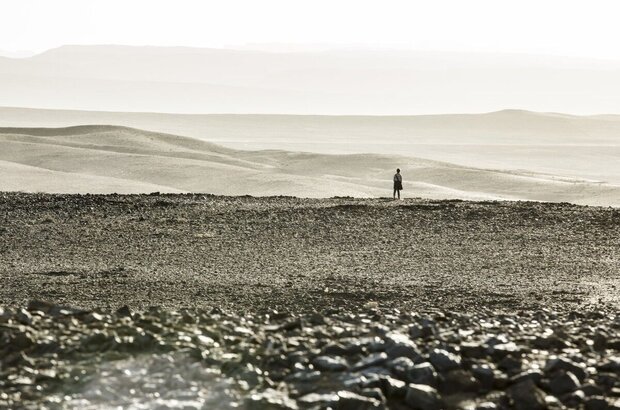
pixel 337 359
pixel 423 397
pixel 444 361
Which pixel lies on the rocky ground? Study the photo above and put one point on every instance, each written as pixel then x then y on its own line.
pixel 285 303
pixel 55 357
pixel 292 254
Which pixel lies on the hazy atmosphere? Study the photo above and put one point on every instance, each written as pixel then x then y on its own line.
pixel 285 205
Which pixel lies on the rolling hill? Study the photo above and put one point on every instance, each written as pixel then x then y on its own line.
pixel 104 159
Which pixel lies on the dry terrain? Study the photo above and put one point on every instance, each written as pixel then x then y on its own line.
pixel 303 254
pixel 115 159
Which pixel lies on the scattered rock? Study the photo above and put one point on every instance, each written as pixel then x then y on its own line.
pixel 329 363
pixel 526 396
pixel 444 361
pixel 423 397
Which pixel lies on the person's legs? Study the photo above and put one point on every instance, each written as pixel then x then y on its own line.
pixel 398 193
pixel 394 194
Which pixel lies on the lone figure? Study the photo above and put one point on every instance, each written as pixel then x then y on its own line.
pixel 398 183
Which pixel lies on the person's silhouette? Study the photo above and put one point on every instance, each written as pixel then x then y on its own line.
pixel 398 183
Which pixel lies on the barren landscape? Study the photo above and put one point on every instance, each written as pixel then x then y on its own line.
pixel 198 301
pixel 305 254
pixel 327 157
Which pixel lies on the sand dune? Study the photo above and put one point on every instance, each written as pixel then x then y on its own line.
pixel 103 159
pixel 564 146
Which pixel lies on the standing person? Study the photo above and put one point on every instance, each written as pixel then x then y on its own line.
pixel 398 183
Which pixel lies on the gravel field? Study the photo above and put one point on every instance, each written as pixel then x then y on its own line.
pixel 301 255
pixel 205 302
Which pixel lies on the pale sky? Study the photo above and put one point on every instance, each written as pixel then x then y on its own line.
pixel 587 28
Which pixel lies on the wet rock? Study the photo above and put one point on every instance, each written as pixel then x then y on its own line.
pixel 526 396
pixel 423 397
pixel 444 361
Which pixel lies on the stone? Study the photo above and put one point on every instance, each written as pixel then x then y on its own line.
pixel 591 390
pixel 560 363
pixel 534 375
pixel 314 400
pixel 459 381
pixel 371 360
pixel 611 365
pixel 487 405
pixel 510 364
pixel 423 373
pixel 563 382
pixel 270 399
pixel 596 403
pixel 472 350
pixel 526 396
pixel 123 311
pixel 400 366
pixel 444 361
pixel 400 345
pixel 485 375
pixel 394 387
pixel 573 399
pixel 421 331
pixel 352 401
pixel 501 350
pixel 423 397
pixel 375 393
pixel 329 363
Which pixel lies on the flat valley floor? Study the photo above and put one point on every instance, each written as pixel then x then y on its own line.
pixel 256 254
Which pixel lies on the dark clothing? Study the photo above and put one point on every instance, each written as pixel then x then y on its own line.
pixel 398 182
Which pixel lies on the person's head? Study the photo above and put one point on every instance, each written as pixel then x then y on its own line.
pixel 398 170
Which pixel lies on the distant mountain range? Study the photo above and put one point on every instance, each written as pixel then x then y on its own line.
pixel 193 80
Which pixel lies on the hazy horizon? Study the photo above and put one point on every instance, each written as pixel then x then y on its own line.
pixel 325 82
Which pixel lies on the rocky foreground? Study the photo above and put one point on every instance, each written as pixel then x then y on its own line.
pixel 287 303
pixel 55 357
